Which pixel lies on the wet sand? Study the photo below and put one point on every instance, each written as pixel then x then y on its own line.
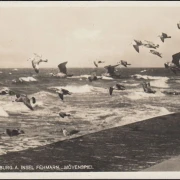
pixel 133 147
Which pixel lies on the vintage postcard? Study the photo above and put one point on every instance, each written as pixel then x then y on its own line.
pixel 90 89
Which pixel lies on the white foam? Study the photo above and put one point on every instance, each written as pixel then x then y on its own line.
pixel 107 78
pixel 162 83
pixel 140 94
pixel 3 113
pixel 27 79
pixel 132 85
pixel 85 76
pixel 158 81
pixel 140 115
pixel 75 89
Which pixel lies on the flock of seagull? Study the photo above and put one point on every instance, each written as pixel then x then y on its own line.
pixel 174 66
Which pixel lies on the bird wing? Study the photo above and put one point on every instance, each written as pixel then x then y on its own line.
pixel 27 102
pixel 95 64
pixel 178 25
pixel 164 35
pixel 176 58
pixel 150 43
pixel 138 42
pixel 119 86
pixel 18 95
pixel 152 51
pixel 35 66
pixel 162 39
pixel 62 67
pixel 110 90
pixel 61 96
pixel 65 91
pixel 73 132
pixel 61 114
pixel 136 47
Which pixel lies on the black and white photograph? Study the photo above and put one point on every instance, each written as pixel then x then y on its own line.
pixel 89 87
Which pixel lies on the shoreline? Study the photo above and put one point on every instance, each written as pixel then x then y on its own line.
pixel 132 147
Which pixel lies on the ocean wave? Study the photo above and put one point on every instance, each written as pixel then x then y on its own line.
pixel 85 76
pixel 158 81
pixel 143 71
pixel 3 113
pixel 79 89
pixel 140 94
pixel 140 115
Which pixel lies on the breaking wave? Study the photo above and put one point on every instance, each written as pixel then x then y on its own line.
pixel 140 94
pixel 79 89
pixel 157 81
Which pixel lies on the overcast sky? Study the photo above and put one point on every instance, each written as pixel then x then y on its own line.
pixel 81 35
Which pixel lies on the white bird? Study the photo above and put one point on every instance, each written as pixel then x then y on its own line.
pixel 69 133
pixel 156 53
pixel 23 98
pixel 36 61
pixel 150 44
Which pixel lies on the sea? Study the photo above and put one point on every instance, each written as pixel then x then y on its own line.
pixel 91 107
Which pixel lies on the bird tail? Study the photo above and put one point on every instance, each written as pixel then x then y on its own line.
pixel 168 36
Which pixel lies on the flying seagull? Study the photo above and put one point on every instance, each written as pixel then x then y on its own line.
pixel 156 53
pixel 63 92
pixel 63 71
pixel 174 66
pixel 147 88
pixel 93 77
pixel 118 86
pixel 23 98
pixel 95 64
pixel 101 62
pixel 136 44
pixel 63 114
pixel 164 36
pixel 124 63
pixel 69 133
pixel 150 44
pixel 111 69
pixel 36 62
pixel 62 67
pixel 14 132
